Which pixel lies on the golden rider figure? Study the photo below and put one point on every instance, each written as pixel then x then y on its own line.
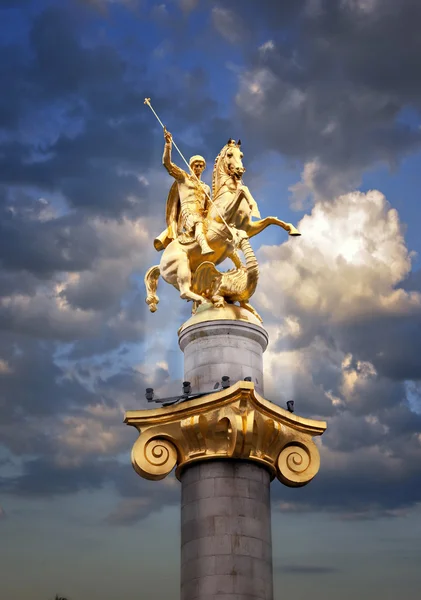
pixel 187 201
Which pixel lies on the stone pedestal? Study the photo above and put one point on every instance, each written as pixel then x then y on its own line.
pixel 230 342
pixel 226 544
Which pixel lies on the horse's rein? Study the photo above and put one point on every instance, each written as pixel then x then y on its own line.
pixel 221 187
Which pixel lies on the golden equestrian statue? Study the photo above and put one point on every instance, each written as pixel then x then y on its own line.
pixel 204 229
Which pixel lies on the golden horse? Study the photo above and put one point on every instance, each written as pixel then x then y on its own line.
pixel 228 220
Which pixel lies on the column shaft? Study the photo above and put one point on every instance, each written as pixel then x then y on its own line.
pixel 226 542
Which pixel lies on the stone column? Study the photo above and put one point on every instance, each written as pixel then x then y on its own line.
pixel 226 345
pixel 226 446
pixel 226 544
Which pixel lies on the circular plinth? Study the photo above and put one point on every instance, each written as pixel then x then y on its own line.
pixel 231 312
pixel 223 341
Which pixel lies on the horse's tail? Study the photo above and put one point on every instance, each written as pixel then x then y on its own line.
pixel 151 283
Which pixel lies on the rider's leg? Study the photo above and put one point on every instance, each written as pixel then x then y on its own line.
pixel 201 239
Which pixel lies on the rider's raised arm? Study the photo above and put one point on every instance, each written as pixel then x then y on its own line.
pixel 172 169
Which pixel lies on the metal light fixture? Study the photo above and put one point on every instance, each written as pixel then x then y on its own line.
pixel 225 382
pixel 290 406
pixel 186 388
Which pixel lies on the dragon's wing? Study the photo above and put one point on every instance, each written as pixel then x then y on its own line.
pixel 205 277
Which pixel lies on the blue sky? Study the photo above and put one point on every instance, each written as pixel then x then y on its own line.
pixel 326 99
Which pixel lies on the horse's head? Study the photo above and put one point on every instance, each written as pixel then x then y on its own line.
pixel 231 156
pixel 228 170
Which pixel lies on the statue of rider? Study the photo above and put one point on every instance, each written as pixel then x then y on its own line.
pixel 187 202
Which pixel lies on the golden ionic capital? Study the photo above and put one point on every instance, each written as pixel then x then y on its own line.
pixel 232 423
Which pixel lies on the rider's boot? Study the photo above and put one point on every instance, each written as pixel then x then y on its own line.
pixel 203 243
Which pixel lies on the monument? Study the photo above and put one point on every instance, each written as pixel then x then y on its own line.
pixel 226 441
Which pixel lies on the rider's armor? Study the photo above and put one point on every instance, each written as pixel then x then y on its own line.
pixel 193 208
pixel 186 209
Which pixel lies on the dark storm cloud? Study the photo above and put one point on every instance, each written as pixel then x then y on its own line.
pixel 59 68
pixel 90 139
pixel 89 88
pixel 370 455
pixel 369 492
pixel 413 281
pixel 393 345
pixel 98 290
pixel 67 243
pixel 331 85
pixel 62 66
pixel 141 497
pixel 33 384
pixel 349 343
pixel 97 133
pixel 42 477
pixel 107 339
pixel 46 476
pixel 13 282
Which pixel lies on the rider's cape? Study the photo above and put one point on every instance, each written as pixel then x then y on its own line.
pixel 172 214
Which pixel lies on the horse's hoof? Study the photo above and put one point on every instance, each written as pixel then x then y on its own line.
pixel 293 230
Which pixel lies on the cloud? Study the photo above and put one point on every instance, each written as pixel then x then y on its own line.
pixel 345 268
pixel 267 47
pixel 344 344
pixel 80 127
pixel 43 478
pixel 82 191
pixel 144 498
pixel 36 385
pixel 96 432
pixel 228 24
pixel 188 5
pixel 319 181
pixel 333 93
pixel 75 272
pixel 80 130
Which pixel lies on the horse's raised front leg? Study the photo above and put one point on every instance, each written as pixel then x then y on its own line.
pixel 251 201
pixel 258 226
pixel 242 193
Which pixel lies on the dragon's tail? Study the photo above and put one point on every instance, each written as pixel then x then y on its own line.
pixel 151 283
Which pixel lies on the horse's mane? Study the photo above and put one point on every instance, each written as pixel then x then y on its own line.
pixel 217 166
